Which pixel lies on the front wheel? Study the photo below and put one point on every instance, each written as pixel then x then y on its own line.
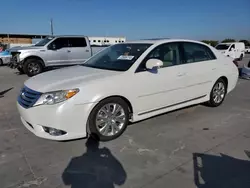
pixel 33 67
pixel 218 93
pixel 109 119
pixel 1 62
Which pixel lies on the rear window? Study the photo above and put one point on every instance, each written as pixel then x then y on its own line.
pixel 77 42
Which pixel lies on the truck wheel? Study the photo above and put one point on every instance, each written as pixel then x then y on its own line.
pixel 109 119
pixel 20 70
pixel 1 62
pixel 33 67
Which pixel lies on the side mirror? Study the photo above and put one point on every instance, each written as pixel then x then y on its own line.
pixel 52 47
pixel 232 49
pixel 154 64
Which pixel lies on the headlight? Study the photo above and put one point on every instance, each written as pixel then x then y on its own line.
pixel 56 97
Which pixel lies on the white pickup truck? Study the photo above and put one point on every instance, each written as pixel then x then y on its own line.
pixel 51 52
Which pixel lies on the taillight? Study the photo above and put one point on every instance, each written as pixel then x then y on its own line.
pixel 236 63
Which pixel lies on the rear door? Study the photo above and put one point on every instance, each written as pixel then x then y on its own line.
pixel 201 68
pixel 79 50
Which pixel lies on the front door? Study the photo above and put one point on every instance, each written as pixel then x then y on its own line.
pixel 58 52
pixel 78 51
pixel 163 87
pixel 232 51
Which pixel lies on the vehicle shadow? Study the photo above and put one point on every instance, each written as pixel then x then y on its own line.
pixel 223 171
pixel 94 169
pixel 5 91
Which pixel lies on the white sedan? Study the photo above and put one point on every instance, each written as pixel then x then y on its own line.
pixel 125 82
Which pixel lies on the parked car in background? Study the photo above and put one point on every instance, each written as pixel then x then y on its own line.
pixel 50 52
pixel 125 82
pixel 235 50
pixel 247 50
pixel 5 57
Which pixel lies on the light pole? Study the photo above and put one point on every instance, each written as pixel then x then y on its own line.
pixel 51 27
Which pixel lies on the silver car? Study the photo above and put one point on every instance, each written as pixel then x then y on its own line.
pixel 4 58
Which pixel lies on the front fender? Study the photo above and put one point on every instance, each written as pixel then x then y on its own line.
pixel 25 55
pixel 95 97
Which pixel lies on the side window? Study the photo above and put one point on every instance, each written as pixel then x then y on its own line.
pixel 233 46
pixel 77 42
pixel 59 43
pixel 195 52
pixel 168 53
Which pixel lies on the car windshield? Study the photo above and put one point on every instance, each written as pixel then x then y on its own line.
pixel 222 46
pixel 44 41
pixel 118 57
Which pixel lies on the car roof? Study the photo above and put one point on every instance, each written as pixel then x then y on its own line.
pixel 57 36
pixel 160 40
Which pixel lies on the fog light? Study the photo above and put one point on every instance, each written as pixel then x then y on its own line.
pixel 53 131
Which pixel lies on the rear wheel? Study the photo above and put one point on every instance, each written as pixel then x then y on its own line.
pixel 1 62
pixel 109 119
pixel 218 93
pixel 33 67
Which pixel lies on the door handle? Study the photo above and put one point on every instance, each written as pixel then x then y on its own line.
pixel 68 51
pixel 213 68
pixel 87 50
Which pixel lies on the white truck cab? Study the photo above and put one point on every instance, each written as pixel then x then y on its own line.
pixel 236 50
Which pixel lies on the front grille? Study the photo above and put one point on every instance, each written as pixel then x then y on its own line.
pixel 28 97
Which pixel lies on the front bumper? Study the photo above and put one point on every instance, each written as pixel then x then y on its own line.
pixel 14 63
pixel 66 117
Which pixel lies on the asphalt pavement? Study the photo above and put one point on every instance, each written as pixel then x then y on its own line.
pixel 194 147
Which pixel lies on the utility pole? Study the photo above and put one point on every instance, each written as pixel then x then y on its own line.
pixel 51 27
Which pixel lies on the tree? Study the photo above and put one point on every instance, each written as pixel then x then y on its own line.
pixel 246 42
pixel 228 40
pixel 210 42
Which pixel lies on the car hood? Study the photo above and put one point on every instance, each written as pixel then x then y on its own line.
pixel 67 78
pixel 24 48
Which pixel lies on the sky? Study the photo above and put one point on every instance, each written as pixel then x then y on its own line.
pixel 134 19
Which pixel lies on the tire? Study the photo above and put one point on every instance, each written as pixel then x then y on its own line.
pixel 1 62
pixel 21 71
pixel 212 101
pixel 32 67
pixel 111 119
